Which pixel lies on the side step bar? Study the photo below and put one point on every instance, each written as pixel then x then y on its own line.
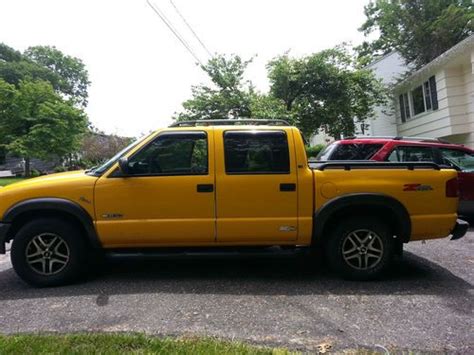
pixel 207 253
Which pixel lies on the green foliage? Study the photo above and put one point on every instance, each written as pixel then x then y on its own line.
pixel 228 97
pixel 42 96
pixel 314 150
pixel 66 74
pixel 34 173
pixel 60 169
pixel 9 180
pixel 325 90
pixel 73 76
pixel 420 30
pixel 36 122
pixel 124 344
pixel 97 147
pixel 268 107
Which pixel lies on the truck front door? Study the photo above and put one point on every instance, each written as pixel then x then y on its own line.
pixel 166 199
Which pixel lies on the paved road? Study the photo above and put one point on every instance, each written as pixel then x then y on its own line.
pixel 426 304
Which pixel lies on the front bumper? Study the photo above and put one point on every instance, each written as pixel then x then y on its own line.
pixel 460 229
pixel 4 227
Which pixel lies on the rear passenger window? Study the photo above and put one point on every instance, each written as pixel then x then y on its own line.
pixel 353 151
pixel 404 154
pixel 264 152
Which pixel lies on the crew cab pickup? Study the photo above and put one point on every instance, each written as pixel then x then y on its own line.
pixel 222 187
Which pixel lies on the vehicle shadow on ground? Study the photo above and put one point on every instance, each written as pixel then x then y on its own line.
pixel 413 275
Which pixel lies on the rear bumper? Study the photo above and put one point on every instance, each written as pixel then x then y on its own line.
pixel 460 229
pixel 4 227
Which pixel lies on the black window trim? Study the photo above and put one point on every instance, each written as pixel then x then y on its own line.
pixel 117 174
pixel 257 132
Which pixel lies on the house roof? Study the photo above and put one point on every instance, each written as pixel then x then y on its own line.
pixel 454 52
pixel 379 59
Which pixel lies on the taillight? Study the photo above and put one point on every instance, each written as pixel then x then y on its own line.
pixel 452 188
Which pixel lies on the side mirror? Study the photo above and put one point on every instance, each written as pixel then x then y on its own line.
pixel 124 166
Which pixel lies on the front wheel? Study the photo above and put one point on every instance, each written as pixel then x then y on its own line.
pixel 48 252
pixel 360 248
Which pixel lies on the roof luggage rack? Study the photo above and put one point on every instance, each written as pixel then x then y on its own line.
pixel 230 122
pixel 400 138
pixel 359 164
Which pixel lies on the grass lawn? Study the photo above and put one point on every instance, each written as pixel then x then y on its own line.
pixel 96 343
pixel 9 180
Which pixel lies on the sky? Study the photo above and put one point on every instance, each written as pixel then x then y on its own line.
pixel 140 73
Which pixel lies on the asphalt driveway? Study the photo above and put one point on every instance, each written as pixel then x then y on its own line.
pixel 426 303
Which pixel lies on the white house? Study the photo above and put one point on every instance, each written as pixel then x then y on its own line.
pixel 388 69
pixel 435 101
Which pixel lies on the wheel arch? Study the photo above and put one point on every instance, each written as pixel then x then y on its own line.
pixel 385 207
pixel 27 210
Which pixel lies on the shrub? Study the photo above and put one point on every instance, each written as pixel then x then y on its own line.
pixel 60 169
pixel 34 173
pixel 313 151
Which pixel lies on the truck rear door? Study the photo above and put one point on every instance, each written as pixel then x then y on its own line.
pixel 256 182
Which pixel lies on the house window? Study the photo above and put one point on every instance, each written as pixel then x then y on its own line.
pixel 404 107
pixel 427 92
pixel 433 93
pixel 418 100
pixel 423 98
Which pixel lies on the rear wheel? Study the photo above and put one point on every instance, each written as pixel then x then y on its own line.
pixel 360 248
pixel 48 252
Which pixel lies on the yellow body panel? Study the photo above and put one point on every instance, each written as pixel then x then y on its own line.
pixel 75 186
pixel 252 207
pixel 243 209
pixel 432 214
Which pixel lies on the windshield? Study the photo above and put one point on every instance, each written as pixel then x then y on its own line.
pixel 462 159
pixel 104 167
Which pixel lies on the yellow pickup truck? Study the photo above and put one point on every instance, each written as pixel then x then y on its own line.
pixel 225 187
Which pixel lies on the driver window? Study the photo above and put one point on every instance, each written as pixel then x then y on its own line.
pixel 173 154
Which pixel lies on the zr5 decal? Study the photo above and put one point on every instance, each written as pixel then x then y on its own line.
pixel 417 187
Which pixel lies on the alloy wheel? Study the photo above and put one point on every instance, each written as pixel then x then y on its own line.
pixel 47 254
pixel 362 249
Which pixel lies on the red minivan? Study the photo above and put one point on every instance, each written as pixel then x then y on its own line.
pixel 411 149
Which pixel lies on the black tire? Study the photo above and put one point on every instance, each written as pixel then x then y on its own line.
pixel 363 262
pixel 63 264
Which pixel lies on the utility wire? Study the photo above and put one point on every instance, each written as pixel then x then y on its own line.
pixel 175 32
pixel 191 29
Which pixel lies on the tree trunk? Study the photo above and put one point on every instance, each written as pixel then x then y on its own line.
pixel 27 167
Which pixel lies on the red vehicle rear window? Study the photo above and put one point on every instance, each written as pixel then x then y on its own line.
pixel 353 151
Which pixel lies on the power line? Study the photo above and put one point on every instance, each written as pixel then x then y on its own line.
pixel 172 29
pixel 191 29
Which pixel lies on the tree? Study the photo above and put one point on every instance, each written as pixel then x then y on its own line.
pixel 420 30
pixel 325 90
pixel 73 75
pixel 228 97
pixel 268 107
pixel 36 122
pixel 66 74
pixel 97 147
